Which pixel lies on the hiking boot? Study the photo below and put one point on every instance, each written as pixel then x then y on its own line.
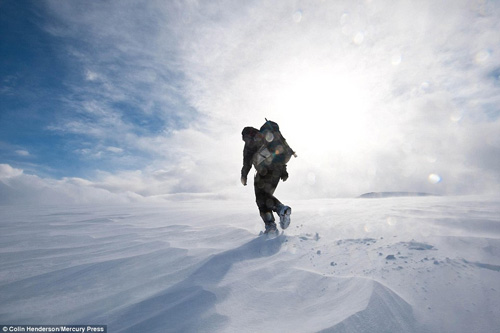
pixel 271 228
pixel 284 214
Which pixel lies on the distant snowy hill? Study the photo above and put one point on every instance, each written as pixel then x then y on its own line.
pixel 405 264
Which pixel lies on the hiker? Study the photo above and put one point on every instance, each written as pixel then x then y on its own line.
pixel 268 151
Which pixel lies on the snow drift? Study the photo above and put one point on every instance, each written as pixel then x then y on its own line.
pixel 409 264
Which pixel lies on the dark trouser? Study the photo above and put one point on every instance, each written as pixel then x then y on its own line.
pixel 265 184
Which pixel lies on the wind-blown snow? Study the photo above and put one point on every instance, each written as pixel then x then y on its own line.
pixel 419 264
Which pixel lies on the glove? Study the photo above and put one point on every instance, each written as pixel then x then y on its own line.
pixel 284 175
pixel 244 180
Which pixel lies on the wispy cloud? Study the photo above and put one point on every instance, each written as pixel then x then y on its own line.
pixel 21 152
pixel 19 188
pixel 125 83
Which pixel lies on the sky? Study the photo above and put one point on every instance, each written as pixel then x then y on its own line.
pixel 145 100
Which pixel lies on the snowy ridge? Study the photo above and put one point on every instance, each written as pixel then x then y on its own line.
pixel 385 312
pixel 344 265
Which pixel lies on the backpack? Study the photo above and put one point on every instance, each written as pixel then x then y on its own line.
pixel 274 150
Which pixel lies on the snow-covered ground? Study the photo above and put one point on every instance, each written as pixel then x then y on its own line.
pixel 407 264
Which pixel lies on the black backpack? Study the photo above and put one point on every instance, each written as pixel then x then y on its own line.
pixel 274 149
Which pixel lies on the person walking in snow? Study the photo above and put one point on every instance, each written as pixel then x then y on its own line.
pixel 268 152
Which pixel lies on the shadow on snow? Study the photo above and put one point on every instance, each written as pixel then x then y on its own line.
pixel 189 304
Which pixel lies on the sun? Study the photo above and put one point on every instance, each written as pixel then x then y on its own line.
pixel 326 111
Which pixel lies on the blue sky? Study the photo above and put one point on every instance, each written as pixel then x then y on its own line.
pixel 138 100
pixel 64 95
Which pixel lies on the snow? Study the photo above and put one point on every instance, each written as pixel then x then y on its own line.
pixel 400 264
